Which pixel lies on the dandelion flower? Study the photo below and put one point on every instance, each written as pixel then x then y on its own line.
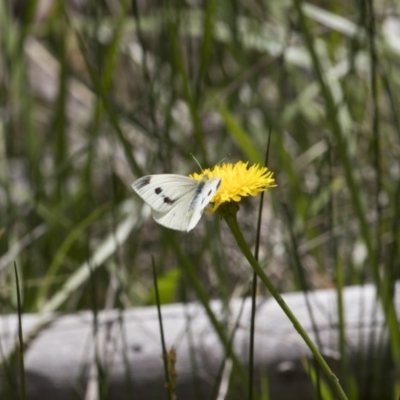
pixel 237 181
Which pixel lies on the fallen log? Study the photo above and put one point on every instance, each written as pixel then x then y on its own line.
pixel 61 359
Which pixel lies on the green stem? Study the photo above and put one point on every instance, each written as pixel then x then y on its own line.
pixel 228 211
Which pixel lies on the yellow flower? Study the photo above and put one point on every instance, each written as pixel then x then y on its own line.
pixel 237 181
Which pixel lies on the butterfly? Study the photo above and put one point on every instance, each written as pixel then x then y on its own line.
pixel 176 201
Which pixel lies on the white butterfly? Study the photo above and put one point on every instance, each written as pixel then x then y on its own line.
pixel 176 201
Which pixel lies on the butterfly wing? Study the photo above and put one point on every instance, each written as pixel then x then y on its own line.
pixel 177 201
pixel 162 192
pixel 176 218
pixel 205 191
pixel 186 213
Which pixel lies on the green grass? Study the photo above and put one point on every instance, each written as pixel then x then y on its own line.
pixel 92 99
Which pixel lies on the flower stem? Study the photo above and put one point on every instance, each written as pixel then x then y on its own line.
pixel 229 214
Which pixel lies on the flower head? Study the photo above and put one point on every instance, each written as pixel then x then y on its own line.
pixel 237 181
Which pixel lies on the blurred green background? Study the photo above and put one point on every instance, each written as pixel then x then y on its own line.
pixel 96 94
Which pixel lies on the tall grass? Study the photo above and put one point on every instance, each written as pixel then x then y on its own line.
pixel 94 96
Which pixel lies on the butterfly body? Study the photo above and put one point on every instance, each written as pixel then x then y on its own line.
pixel 177 201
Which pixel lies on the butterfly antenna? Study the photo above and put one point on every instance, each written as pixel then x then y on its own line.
pixel 195 159
pixel 221 161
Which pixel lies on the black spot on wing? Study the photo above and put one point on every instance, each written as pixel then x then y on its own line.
pixel 142 182
pixel 168 200
pixel 158 190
